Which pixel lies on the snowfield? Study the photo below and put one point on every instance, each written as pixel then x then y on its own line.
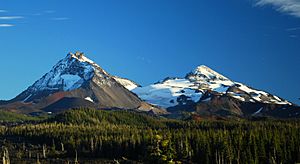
pixel 166 93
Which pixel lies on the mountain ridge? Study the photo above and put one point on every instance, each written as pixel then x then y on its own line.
pixel 79 82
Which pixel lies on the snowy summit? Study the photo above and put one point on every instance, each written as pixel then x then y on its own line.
pixel 78 81
pixel 196 84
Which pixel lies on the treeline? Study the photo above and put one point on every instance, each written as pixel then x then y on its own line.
pixel 118 134
pixel 10 117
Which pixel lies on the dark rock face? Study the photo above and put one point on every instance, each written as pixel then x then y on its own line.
pixel 68 103
pixel 223 106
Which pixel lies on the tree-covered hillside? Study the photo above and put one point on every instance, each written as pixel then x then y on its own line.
pixel 10 117
pixel 136 137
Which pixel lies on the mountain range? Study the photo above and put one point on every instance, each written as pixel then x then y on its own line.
pixel 76 81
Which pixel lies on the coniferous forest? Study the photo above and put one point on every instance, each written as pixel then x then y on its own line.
pixel 96 136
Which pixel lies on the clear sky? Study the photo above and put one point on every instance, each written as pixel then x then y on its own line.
pixel 256 42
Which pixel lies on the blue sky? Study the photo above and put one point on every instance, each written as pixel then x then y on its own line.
pixel 256 42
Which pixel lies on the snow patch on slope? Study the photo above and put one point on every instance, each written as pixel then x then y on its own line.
pixel 89 99
pixel 71 82
pixel 130 85
pixel 27 98
pixel 165 94
pixel 256 95
pixel 258 111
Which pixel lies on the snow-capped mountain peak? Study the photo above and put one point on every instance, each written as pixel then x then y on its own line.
pixel 76 81
pixel 80 57
pixel 196 84
pixel 206 73
pixel 68 74
pixel 71 73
